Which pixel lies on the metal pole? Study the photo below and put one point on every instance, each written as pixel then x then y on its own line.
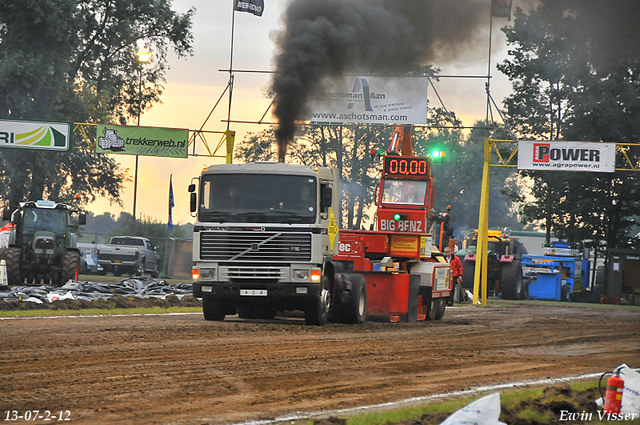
pixel 233 25
pixel 489 67
pixel 135 178
pixel 480 277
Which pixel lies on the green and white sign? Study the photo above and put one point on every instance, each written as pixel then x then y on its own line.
pixel 149 141
pixel 36 135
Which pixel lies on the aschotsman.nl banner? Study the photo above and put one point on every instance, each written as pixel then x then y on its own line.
pixel 371 100
pixel 567 156
pixel 149 141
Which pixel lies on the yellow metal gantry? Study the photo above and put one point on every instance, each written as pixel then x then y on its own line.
pixel 87 134
pixel 491 145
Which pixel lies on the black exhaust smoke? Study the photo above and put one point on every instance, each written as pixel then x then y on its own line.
pixel 330 37
pixel 326 38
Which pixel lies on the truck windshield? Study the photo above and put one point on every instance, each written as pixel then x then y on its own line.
pixel 258 198
pixel 51 220
pixel 404 192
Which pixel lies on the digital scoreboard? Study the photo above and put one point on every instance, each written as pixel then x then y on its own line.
pixel 406 166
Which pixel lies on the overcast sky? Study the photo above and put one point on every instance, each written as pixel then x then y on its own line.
pixel 194 85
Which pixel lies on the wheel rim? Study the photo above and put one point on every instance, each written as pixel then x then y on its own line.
pixel 361 303
pixel 325 299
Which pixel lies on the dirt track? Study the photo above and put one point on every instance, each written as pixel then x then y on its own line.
pixel 181 369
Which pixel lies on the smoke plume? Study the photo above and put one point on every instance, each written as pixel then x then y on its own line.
pixel 330 37
pixel 326 38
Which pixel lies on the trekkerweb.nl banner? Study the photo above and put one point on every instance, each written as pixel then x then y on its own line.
pixel 567 156
pixel 149 141
pixel 371 100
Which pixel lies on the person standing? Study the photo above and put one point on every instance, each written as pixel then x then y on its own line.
pixel 456 272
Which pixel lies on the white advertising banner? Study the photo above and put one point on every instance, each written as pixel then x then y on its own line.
pixel 371 100
pixel 36 135
pixel 567 156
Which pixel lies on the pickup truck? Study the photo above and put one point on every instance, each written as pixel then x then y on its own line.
pixel 129 254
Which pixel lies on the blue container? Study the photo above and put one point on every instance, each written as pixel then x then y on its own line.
pixel 547 286
pixel 548 280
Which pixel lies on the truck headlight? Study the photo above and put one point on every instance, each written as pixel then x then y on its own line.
pixel 301 274
pixel 207 274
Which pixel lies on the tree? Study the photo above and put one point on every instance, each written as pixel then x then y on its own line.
pixel 75 60
pixel 458 179
pixel 562 92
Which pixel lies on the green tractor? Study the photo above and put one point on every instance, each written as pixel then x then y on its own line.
pixel 42 243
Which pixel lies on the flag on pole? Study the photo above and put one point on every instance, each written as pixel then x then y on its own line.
pixel 171 204
pixel 252 6
pixel 501 8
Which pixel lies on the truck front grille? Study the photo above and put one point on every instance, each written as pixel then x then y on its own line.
pixel 252 274
pixel 255 246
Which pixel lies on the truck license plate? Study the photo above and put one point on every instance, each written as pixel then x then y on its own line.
pixel 253 292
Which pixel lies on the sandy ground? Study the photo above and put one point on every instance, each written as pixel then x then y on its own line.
pixel 182 369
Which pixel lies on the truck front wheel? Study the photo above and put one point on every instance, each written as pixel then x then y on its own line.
pixel 212 309
pixel 317 312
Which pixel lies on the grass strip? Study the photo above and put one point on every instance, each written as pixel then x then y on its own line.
pixel 509 399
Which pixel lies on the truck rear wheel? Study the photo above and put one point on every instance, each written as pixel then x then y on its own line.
pixel 317 312
pixel 355 311
pixel 438 306
pixel 12 257
pixel 70 263
pixel 511 280
pixel 212 309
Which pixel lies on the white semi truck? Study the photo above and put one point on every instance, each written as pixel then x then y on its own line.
pixel 263 240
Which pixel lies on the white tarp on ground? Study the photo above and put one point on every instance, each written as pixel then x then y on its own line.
pixel 485 411
pixel 141 287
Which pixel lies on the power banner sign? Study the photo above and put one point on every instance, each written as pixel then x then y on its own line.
pixel 36 135
pixel 148 141
pixel 371 100
pixel 567 156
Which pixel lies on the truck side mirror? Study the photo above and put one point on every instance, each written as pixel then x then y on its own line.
pixel 82 219
pixel 193 201
pixel 326 197
pixel 192 188
pixel 6 214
